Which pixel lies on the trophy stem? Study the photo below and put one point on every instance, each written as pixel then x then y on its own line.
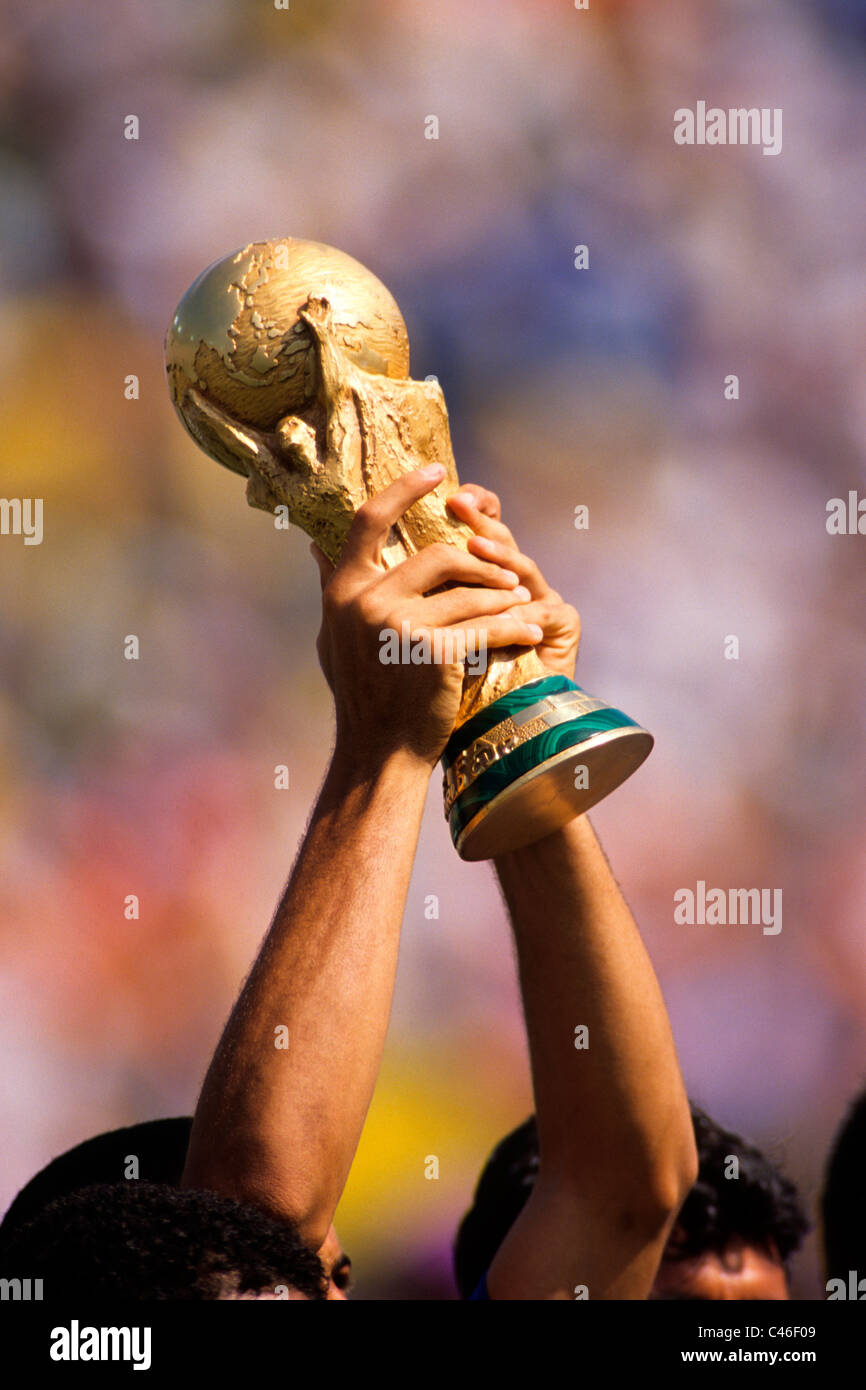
pixel 532 761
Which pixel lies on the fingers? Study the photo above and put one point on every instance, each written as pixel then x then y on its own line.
pixel 441 563
pixel 370 529
pixel 480 509
pixel 461 605
pixel 493 541
pixel 553 617
pixel 501 553
pixel 472 495
pixel 501 630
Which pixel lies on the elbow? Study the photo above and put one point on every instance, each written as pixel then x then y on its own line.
pixel 640 1186
pixel 255 1184
pixel 309 1225
pixel 669 1177
pixel 652 1180
pixel 290 1197
pixel 309 1220
pixel 312 1229
pixel 690 1166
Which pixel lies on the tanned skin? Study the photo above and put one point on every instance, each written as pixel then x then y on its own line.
pixel 617 1154
pixel 279 1127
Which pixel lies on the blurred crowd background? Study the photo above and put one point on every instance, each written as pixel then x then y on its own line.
pixel 601 387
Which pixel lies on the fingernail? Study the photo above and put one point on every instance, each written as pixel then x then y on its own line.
pixel 520 594
pixel 534 631
pixel 433 470
pixel 465 498
pixel 510 576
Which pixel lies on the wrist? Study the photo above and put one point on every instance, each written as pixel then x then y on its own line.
pixel 569 844
pixel 354 763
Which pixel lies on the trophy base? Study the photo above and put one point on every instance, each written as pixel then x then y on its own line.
pixel 532 761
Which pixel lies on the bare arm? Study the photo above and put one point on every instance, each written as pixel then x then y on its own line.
pixel 284 1101
pixel 615 1135
pixel 278 1125
pixel 617 1153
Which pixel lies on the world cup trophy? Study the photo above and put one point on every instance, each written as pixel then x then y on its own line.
pixel 288 362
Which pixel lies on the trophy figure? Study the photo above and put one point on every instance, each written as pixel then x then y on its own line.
pixel 288 362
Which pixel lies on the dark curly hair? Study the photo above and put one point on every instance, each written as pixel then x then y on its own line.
pixel 842 1208
pixel 152 1241
pixel 761 1208
pixel 158 1146
pixel 503 1190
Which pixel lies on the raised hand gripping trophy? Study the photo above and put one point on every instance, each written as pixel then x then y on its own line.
pixel 288 362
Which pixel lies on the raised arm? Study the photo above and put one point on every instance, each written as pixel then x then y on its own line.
pixel 617 1153
pixel 285 1097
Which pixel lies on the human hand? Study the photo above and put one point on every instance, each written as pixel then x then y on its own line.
pixel 558 620
pixel 383 709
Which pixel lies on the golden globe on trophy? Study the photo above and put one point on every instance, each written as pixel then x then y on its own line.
pixel 288 362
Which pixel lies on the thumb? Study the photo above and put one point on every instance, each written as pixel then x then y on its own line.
pixel 326 569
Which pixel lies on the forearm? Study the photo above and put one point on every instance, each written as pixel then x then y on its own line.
pixel 279 1125
pixel 612 1116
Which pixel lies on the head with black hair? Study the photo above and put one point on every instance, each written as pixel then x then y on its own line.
pixel 734 1237
pixel 143 1241
pixel 153 1152
pixel 843 1213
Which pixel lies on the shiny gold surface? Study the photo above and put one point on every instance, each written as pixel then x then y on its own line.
pixel 545 799
pixel 237 334
pixel 509 734
pixel 288 363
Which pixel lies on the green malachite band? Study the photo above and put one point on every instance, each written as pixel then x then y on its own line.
pixel 503 708
pixel 530 754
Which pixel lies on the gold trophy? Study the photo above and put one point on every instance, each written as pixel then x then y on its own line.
pixel 288 362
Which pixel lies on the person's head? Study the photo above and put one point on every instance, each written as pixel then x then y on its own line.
pixel 733 1238
pixel 153 1152
pixel 843 1216
pixel 738 1228
pixel 152 1241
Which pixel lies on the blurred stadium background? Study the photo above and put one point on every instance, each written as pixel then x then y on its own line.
pixel 601 387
